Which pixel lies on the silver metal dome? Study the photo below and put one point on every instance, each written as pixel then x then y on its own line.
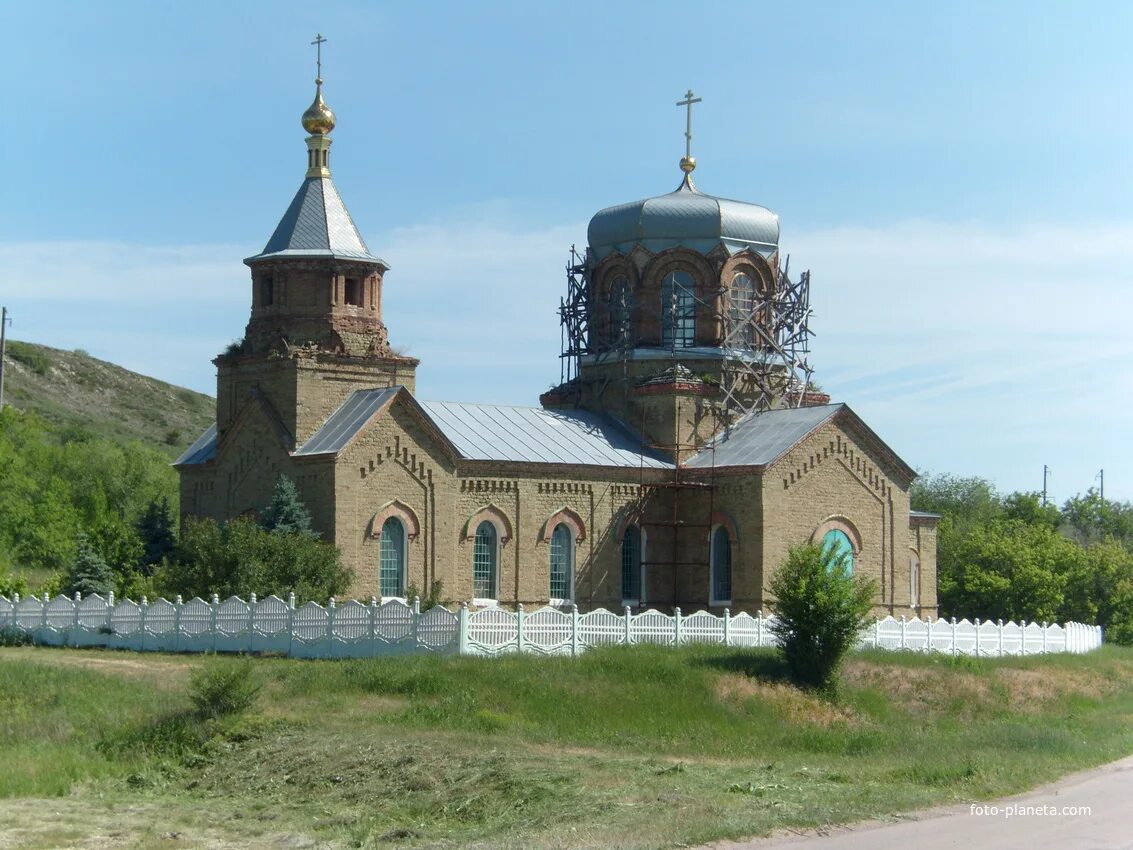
pixel 687 218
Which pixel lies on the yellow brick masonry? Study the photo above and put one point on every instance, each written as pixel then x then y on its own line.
pixel 831 476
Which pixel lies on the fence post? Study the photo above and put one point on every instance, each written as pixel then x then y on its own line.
pixel 143 609
pixel 1000 637
pixel 214 603
pixel 416 621
pixel 462 629
pixel 290 623
pixel 75 617
pixel 977 637
pixel 178 601
pixel 251 621
pixel 43 615
pixel 928 634
pixel 330 626
pixel 520 643
pixel 759 628
pixel 373 625
pixel 1044 638
pixel 109 608
pixel 574 630
pixel 727 627
pixel 677 626
pixel 627 635
pixel 904 645
pixel 876 634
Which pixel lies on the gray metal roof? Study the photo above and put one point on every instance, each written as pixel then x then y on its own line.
pixel 202 450
pixel 686 217
pixel 317 224
pixel 535 435
pixel 764 437
pixel 925 515
pixel 350 417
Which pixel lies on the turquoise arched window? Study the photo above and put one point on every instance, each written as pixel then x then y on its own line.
pixel 721 566
pixel 392 558
pixel 485 556
pixel 631 564
pixel 837 542
pixel 562 557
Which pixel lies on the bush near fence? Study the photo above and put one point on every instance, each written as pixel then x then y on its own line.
pixel 355 629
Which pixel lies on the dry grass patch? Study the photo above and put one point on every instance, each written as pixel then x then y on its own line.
pixel 793 705
pixel 1031 690
pixel 165 672
pixel 924 690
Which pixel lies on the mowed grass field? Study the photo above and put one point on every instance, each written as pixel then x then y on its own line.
pixel 636 747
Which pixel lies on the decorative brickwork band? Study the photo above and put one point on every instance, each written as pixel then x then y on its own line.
pixel 570 519
pixel 493 515
pixel 396 509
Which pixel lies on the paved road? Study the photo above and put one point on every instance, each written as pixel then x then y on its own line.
pixel 1085 811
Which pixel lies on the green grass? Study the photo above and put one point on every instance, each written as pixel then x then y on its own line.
pixel 639 747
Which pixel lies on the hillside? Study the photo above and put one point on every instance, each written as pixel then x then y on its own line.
pixel 74 390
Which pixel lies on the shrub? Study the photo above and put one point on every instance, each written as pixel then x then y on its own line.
pixel 90 573
pixel 432 600
pixel 820 612
pixel 223 688
pixel 31 356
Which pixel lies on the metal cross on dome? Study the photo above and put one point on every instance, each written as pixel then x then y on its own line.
pixel 319 42
pixel 688 102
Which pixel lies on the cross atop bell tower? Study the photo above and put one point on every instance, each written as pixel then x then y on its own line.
pixel 688 162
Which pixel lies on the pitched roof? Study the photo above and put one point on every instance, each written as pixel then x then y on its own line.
pixel 763 438
pixel 317 224
pixel 350 417
pixel 202 450
pixel 535 435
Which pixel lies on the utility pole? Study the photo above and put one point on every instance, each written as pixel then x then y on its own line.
pixel 4 320
pixel 1046 472
pixel 1101 479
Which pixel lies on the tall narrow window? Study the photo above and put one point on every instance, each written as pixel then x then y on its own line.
pixel 678 310
pixel 484 556
pixel 742 297
pixel 631 564
pixel 914 580
pixel 267 291
pixel 392 558
pixel 354 291
pixel 620 311
pixel 562 558
pixel 842 549
pixel 721 566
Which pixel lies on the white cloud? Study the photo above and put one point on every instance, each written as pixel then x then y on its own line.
pixel 970 349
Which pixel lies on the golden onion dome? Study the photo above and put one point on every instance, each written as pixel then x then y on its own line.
pixel 318 119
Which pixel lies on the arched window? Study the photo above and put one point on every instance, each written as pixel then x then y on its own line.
pixel 562 563
pixel 914 580
pixel 721 567
pixel 392 558
pixel 620 312
pixel 631 565
pixel 678 310
pixel 484 561
pixel 742 302
pixel 842 549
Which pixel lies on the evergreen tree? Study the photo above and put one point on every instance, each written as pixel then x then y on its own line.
pixel 155 527
pixel 90 573
pixel 287 514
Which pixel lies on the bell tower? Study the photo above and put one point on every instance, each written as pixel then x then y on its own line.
pixel 315 333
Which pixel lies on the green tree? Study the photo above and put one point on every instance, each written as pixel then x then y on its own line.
pixel 90 573
pixel 286 514
pixel 155 528
pixel 820 612
pixel 238 558
pixel 1093 518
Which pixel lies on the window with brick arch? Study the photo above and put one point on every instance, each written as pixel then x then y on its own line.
pixel 392 558
pixel 678 310
pixel 631 565
pixel 485 556
pixel 562 564
pixel 721 567
pixel 620 312
pixel 742 301
pixel 838 543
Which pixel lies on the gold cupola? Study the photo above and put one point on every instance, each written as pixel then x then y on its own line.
pixel 318 120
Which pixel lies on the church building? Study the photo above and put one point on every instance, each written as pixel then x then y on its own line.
pixel 684 450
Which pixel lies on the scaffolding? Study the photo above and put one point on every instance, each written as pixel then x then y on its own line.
pixel 763 353
pixel 764 349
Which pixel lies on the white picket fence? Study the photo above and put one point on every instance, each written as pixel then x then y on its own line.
pixel 354 629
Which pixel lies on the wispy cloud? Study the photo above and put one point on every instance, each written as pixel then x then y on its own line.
pixel 970 349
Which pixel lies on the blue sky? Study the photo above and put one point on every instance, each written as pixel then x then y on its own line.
pixel 956 176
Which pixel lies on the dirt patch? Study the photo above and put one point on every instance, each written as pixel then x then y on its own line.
pixel 167 674
pixel 789 702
